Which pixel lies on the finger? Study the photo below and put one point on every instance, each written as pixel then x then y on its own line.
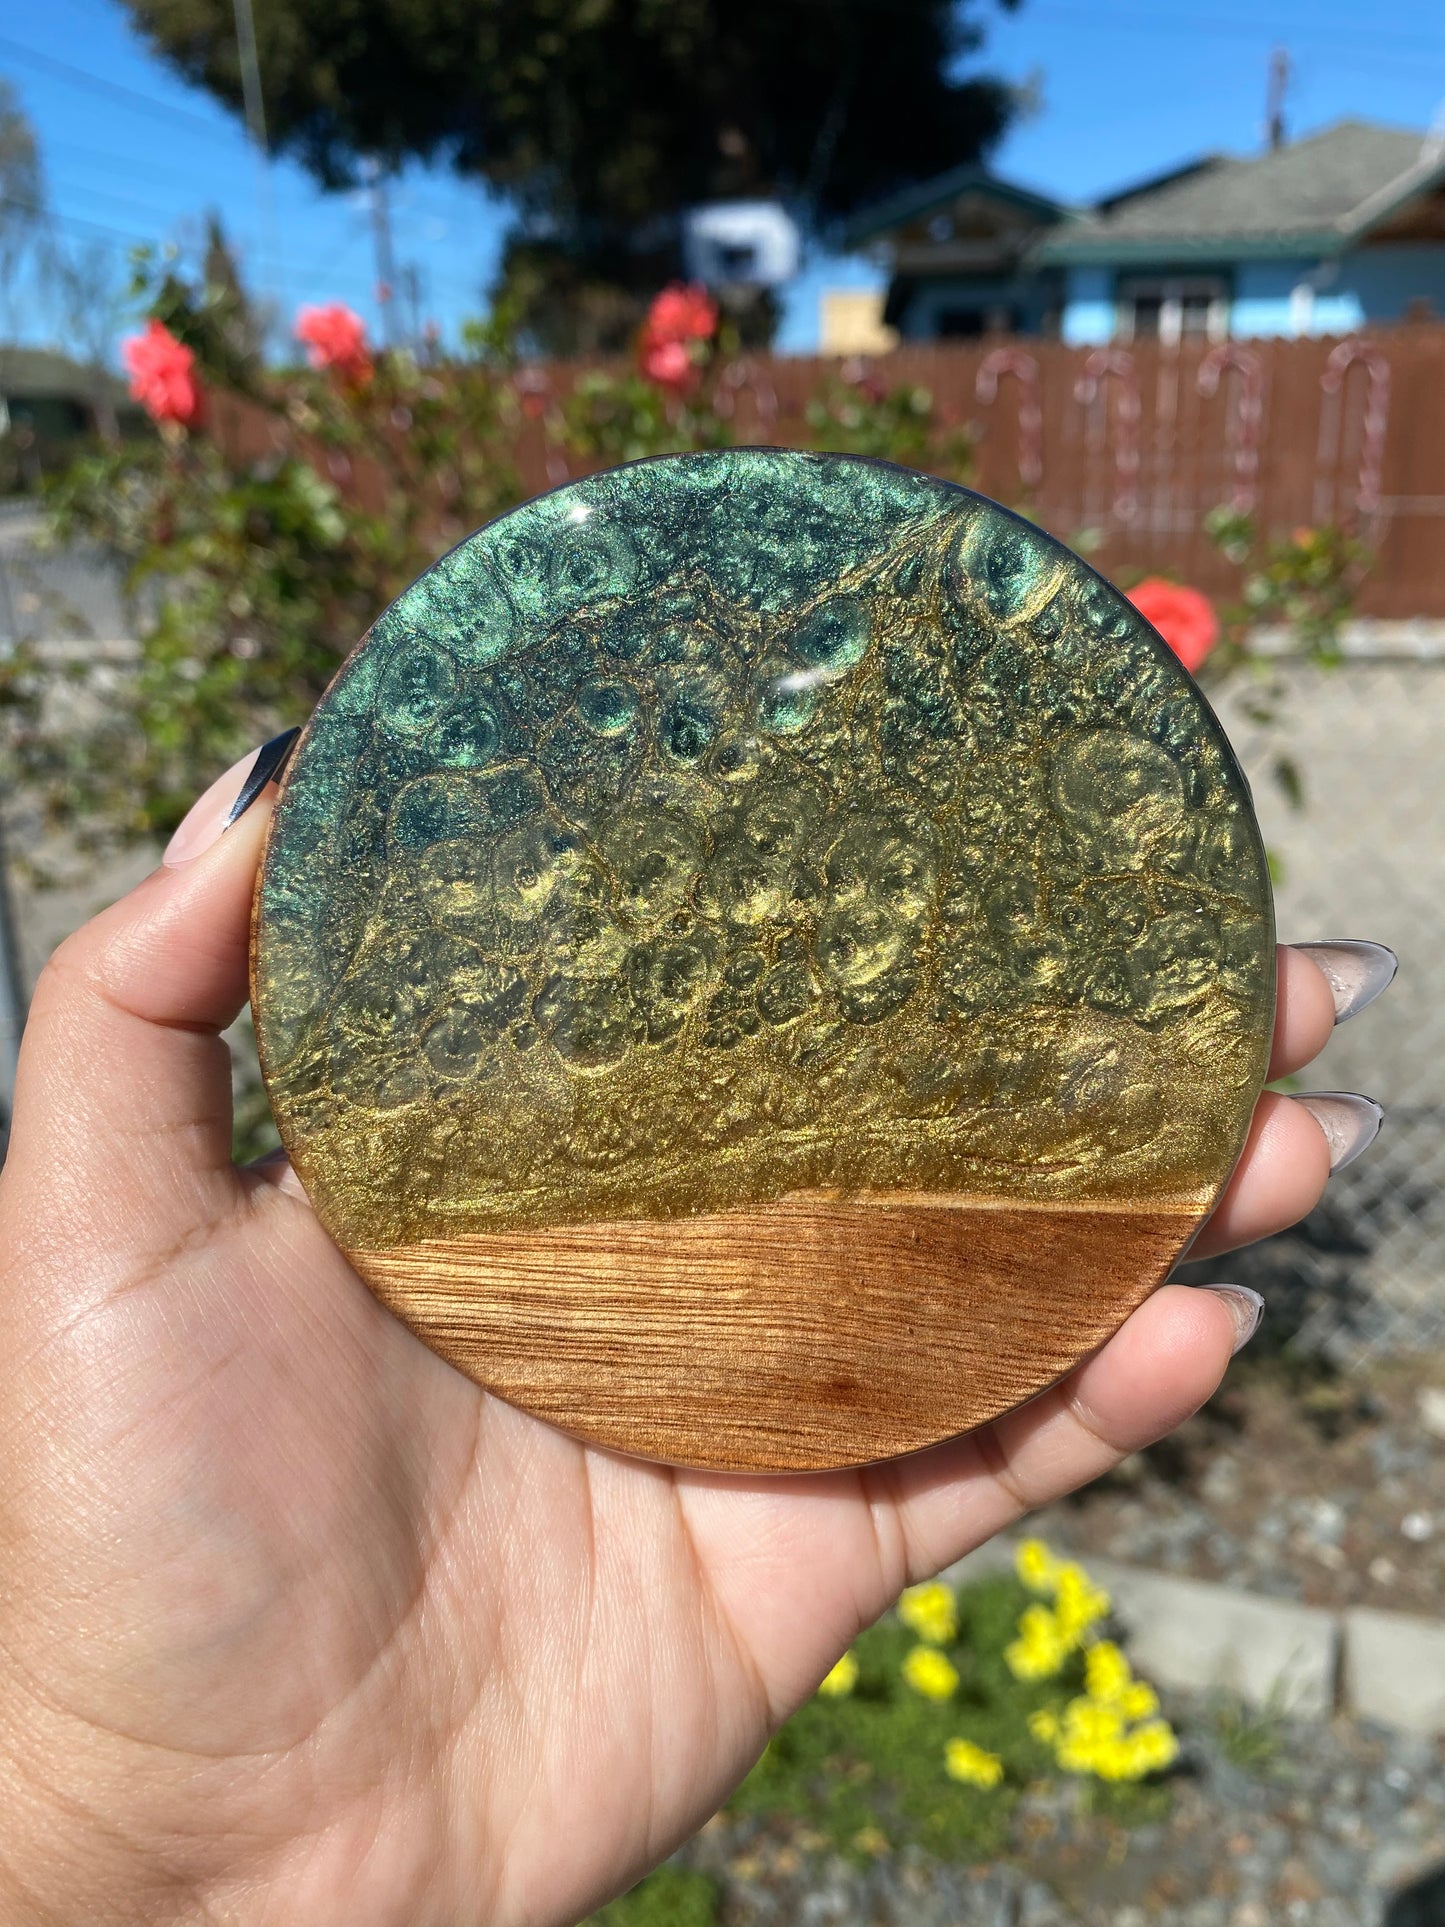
pixel 1304 1012
pixel 124 1082
pixel 1160 1366
pixel 274 1172
pixel 1279 1179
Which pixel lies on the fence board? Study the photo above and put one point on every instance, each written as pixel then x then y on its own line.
pixel 1135 445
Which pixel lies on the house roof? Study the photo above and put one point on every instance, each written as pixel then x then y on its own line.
pixel 926 197
pixel 1315 195
pixel 26 373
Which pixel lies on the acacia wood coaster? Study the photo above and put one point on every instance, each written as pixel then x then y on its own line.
pixel 763 959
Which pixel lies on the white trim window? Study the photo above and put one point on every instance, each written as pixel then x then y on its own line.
pixel 1173 308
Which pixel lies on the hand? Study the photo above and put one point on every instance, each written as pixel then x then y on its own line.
pixel 296 1625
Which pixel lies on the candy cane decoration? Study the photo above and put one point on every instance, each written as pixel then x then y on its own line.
pixel 534 398
pixel 1376 418
pixel 1245 422
pixel 1025 370
pixel 1103 363
pixel 732 382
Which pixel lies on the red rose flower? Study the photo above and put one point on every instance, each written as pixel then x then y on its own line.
pixel 682 313
pixel 669 364
pixel 1184 618
pixel 335 338
pixel 162 374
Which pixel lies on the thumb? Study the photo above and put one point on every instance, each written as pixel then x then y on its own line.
pixel 124 1083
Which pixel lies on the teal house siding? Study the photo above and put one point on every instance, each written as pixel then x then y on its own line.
pixel 1088 306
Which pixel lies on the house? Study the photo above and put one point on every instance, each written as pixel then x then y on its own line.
pixel 1317 236
pixel 960 251
pixel 49 405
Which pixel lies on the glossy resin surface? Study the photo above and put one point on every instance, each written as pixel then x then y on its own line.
pixel 747 833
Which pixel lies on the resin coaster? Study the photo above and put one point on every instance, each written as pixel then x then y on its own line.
pixel 763 959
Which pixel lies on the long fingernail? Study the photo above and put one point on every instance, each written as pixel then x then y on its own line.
pixel 1351 1123
pixel 1246 1308
pixel 1355 969
pixel 229 797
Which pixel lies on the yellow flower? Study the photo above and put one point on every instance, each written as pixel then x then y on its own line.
pixel 1106 1671
pixel 1036 1566
pixel 962 1760
pixel 1044 1725
pixel 1095 1737
pixel 930 1673
pixel 1138 1700
pixel 1040 1649
pixel 839 1683
pixel 1079 1603
pixel 930 1611
pixel 1153 1746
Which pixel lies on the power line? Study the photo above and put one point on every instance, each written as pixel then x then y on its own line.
pixel 110 160
pixel 74 220
pixel 112 89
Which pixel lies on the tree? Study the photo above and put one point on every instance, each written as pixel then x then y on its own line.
pixel 602 120
pixel 24 220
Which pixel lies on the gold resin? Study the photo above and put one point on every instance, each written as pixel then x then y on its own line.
pixel 759 825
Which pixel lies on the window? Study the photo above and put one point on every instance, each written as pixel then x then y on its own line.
pixel 967 324
pixel 736 260
pixel 960 324
pixel 1184 308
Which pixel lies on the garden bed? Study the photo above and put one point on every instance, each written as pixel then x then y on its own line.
pixel 986 1755
pixel 1269 1823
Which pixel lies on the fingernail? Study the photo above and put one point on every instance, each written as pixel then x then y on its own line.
pixel 1246 1308
pixel 1351 1123
pixel 1355 969
pixel 229 797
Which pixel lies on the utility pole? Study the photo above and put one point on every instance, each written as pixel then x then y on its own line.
pixel 385 260
pixel 1279 74
pixel 411 284
pixel 254 102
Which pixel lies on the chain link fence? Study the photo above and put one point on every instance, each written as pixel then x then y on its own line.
pixel 1364 855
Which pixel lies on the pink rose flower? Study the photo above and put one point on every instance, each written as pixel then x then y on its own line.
pixel 162 374
pixel 682 313
pixel 669 364
pixel 335 338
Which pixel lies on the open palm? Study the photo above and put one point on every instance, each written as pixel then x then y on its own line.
pixel 298 1625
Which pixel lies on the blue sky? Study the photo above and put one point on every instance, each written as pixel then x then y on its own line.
pixel 1125 88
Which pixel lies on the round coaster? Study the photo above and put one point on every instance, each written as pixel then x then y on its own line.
pixel 763 959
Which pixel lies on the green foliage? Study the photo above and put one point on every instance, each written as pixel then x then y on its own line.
pixel 610 418
pixel 603 123
pixel 1306 582
pixel 212 316
pixel 866 1771
pixel 1252 1740
pixel 862 416
pixel 257 552
pixel 670 1897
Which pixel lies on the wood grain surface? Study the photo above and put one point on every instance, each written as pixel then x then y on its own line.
pixel 811 1333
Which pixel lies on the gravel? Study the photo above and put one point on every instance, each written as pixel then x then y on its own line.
pixel 1345 1828
pixel 1331 1492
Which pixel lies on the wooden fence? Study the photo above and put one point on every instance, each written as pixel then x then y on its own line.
pixel 1127 449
